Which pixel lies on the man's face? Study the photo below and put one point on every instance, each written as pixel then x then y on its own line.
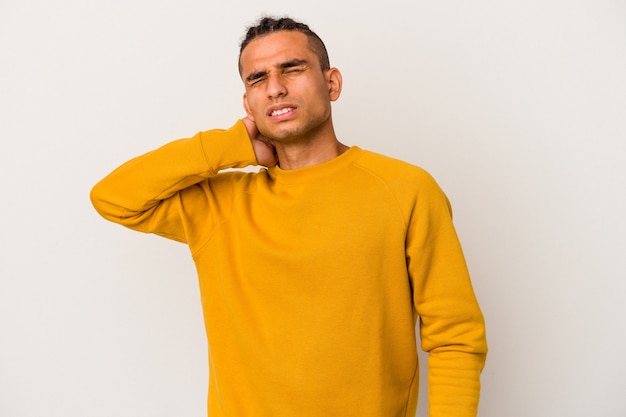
pixel 287 94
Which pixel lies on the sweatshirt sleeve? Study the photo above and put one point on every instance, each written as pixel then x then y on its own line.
pixel 142 193
pixel 452 327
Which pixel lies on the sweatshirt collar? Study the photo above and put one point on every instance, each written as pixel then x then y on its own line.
pixel 328 168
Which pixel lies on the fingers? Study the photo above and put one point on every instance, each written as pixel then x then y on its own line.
pixel 250 127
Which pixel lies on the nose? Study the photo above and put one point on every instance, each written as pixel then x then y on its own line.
pixel 276 86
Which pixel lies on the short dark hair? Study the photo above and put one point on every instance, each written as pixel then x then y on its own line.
pixel 268 25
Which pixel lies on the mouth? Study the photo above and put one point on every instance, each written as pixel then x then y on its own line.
pixel 282 111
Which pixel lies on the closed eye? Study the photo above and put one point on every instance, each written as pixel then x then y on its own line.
pixel 256 81
pixel 256 77
pixel 294 65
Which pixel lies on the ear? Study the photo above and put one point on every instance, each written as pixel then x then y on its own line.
pixel 246 107
pixel 334 81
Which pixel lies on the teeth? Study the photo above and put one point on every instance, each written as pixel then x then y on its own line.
pixel 281 111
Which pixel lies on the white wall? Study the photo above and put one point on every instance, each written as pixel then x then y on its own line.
pixel 517 108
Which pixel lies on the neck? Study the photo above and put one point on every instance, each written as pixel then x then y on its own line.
pixel 299 154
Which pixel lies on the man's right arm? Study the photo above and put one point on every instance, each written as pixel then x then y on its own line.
pixel 139 193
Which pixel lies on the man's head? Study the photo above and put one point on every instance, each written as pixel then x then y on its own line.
pixel 288 92
pixel 269 25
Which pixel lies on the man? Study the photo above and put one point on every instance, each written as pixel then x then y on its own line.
pixel 313 271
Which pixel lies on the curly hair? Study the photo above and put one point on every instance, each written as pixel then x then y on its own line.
pixel 268 25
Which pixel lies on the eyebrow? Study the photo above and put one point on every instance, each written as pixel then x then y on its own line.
pixel 293 63
pixel 287 64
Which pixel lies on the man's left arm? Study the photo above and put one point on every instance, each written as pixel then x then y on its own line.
pixel 452 327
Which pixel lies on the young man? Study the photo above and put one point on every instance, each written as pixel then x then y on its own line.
pixel 315 270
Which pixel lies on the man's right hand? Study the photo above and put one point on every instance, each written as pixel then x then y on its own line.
pixel 263 147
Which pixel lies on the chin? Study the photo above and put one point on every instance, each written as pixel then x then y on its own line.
pixel 284 135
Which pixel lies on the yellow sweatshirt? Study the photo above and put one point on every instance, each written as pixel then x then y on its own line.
pixel 312 280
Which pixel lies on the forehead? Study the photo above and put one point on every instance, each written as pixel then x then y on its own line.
pixel 273 49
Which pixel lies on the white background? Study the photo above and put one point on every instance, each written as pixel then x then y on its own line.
pixel 517 108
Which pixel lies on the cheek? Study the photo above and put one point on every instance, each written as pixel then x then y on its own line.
pixel 252 100
pixel 252 107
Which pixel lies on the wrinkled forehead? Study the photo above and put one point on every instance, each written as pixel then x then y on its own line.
pixel 274 49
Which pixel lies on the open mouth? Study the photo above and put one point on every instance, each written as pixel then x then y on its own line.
pixel 281 111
